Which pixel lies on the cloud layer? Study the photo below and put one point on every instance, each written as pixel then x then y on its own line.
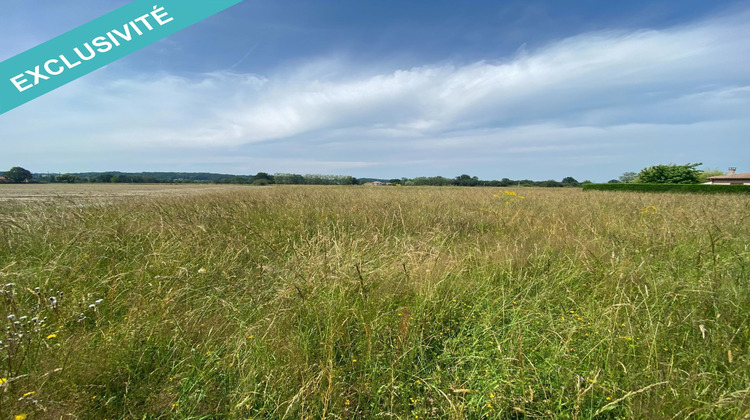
pixel 598 103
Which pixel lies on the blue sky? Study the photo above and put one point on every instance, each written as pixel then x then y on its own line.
pixel 517 89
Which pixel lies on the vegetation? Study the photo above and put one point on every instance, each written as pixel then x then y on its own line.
pixel 262 178
pixel 708 173
pixel 350 302
pixel 671 188
pixel 66 178
pixel 671 174
pixel 628 177
pixel 18 174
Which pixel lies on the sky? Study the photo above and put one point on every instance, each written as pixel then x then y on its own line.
pixel 523 89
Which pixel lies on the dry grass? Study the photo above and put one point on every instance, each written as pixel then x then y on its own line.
pixel 87 193
pixel 352 302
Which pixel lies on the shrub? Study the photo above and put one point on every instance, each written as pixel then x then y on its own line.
pixel 676 188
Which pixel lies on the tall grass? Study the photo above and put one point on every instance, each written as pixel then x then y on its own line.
pixel 352 302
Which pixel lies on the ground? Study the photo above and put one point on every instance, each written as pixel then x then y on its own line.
pixel 351 302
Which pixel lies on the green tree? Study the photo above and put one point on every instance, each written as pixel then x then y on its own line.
pixel 709 173
pixel 628 177
pixel 103 178
pixel 263 176
pixel 671 174
pixel 18 174
pixel 569 180
pixel 66 178
pixel 466 181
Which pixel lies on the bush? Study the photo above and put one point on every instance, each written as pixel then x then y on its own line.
pixel 670 174
pixel 676 188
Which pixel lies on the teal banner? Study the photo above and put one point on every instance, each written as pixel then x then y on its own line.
pixel 74 54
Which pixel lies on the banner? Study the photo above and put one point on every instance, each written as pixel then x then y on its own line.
pixel 74 54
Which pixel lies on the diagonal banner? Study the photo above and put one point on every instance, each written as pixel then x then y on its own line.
pixel 74 54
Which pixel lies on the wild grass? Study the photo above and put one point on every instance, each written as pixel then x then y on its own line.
pixel 354 302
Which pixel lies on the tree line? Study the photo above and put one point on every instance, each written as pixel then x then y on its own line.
pixel 18 175
pixel 658 174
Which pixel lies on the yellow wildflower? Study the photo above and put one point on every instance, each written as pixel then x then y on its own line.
pixel 3 381
pixel 21 416
pixel 51 336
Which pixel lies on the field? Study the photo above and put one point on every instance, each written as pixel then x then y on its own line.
pixel 82 194
pixel 381 302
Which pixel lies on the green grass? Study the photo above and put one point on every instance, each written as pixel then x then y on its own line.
pixel 353 302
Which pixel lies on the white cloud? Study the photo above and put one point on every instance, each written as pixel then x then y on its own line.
pixel 589 94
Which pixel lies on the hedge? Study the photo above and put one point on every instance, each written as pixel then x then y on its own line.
pixel 678 188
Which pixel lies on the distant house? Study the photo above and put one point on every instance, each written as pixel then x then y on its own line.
pixel 3 179
pixel 731 178
pixel 376 183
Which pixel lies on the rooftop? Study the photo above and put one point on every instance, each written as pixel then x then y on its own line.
pixel 744 175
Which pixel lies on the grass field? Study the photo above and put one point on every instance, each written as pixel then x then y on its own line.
pixel 385 302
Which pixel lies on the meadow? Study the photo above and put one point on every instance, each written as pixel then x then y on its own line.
pixel 373 302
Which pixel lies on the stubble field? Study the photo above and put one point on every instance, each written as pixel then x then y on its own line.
pixel 384 302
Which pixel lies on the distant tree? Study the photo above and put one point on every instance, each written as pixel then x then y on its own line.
pixel 261 182
pixel 280 178
pixel 569 180
pixel 395 181
pixel 550 183
pixel 613 181
pixel 628 177
pixel 103 178
pixel 709 173
pixel 671 174
pixel 433 180
pixel 466 181
pixel 18 174
pixel 263 175
pixel 66 178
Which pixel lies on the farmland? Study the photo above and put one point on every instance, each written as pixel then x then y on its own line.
pixel 211 302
